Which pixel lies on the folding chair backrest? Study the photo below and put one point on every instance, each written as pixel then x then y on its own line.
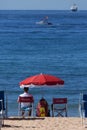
pixel 26 99
pixel 85 97
pixel 2 104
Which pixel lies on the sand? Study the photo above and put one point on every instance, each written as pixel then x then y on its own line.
pixel 47 123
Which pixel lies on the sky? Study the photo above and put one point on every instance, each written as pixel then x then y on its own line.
pixel 41 4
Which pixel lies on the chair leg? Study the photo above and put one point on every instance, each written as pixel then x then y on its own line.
pixel 66 114
pixel 52 113
pixel 0 123
pixel 30 112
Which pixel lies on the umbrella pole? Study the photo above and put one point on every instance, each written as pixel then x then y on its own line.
pixel 42 93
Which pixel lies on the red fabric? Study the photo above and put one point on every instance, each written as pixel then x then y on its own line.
pixel 42 79
pixel 59 100
pixel 25 99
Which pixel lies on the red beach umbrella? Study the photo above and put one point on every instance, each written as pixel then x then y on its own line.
pixel 41 79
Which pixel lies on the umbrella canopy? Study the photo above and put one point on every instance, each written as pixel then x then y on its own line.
pixel 41 79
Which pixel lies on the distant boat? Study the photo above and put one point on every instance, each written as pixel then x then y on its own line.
pixel 74 7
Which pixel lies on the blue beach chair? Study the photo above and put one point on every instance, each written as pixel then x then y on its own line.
pixel 83 108
pixel 3 105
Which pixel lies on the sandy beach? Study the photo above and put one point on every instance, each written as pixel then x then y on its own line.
pixel 48 123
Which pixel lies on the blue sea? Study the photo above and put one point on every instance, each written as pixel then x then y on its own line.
pixel 27 49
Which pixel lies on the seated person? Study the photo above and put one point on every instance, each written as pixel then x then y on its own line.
pixel 42 108
pixel 25 105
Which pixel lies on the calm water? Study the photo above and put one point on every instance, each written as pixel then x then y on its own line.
pixel 27 49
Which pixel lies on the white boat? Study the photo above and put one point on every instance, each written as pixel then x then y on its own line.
pixel 74 7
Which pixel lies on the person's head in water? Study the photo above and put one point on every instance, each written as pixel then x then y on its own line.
pixel 26 89
pixel 46 17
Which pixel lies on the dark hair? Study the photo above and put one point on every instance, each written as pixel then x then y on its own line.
pixel 26 89
pixel 42 99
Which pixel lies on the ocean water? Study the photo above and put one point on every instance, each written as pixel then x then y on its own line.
pixel 27 49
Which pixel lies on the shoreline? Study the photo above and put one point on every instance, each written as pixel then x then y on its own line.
pixel 49 123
